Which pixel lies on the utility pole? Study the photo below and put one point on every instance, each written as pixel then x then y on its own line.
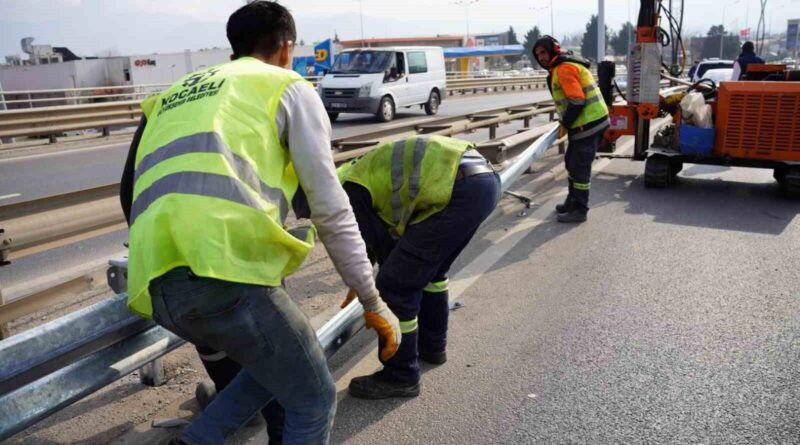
pixel 361 14
pixel 601 32
pixel 552 29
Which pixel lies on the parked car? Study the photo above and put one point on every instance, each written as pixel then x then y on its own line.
pixel 719 75
pixel 381 80
pixel 710 64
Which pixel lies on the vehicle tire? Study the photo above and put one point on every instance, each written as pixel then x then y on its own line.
pixel 791 184
pixel 657 172
pixel 675 167
pixel 432 106
pixel 385 111
pixel 780 175
pixel 333 116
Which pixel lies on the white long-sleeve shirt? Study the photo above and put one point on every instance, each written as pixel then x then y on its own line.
pixel 305 128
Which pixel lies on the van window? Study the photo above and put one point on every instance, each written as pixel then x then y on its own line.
pixel 417 63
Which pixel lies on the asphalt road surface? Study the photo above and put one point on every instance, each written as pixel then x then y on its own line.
pixel 672 316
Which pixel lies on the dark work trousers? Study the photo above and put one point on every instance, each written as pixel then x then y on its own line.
pixel 222 369
pixel 578 159
pixel 422 255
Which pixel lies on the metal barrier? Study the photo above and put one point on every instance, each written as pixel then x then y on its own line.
pixel 53 121
pixel 54 365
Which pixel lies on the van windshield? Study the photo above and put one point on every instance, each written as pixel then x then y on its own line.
pixel 362 62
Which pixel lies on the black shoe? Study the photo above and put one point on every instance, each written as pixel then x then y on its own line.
pixel 573 216
pixel 177 441
pixel 376 386
pixel 565 207
pixel 434 358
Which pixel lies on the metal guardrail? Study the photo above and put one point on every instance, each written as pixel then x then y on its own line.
pixel 53 121
pixel 47 223
pixel 54 365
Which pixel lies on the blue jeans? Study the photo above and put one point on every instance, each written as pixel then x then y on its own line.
pixel 264 331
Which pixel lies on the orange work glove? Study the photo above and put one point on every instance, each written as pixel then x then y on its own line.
pixel 562 131
pixel 378 316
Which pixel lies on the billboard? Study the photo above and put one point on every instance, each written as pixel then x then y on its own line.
pixel 323 57
pixel 791 34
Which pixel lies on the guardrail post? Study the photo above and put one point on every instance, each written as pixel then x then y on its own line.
pixel 552 116
pixel 492 131
pixel 4 332
pixel 53 139
pixel 152 374
pixel 106 131
pixel 562 147
pixel 526 123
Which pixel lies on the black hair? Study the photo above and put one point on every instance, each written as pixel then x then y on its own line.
pixel 748 47
pixel 260 27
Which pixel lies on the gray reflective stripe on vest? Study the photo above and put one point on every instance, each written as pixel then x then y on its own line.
pixel 420 143
pixel 397 179
pixel 210 142
pixel 194 183
pixel 563 103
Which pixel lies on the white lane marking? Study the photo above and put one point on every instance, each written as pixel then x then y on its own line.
pixel 13 195
pixel 64 152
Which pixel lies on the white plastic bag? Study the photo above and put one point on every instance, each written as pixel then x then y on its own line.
pixel 690 105
pixel 703 117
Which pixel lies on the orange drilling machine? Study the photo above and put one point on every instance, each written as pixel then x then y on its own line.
pixel 756 121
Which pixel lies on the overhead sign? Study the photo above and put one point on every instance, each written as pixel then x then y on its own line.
pixel 744 33
pixel 792 34
pixel 323 57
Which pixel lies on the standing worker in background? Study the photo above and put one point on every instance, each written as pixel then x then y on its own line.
pixel 583 115
pixel 418 202
pixel 747 57
pixel 212 170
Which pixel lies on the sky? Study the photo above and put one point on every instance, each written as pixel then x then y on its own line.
pixel 104 27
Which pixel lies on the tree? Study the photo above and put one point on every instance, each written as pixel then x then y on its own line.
pixel 731 43
pixel 589 44
pixel 620 42
pixel 512 40
pixel 336 37
pixel 530 38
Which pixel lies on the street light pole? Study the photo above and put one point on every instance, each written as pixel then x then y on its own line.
pixel 466 4
pixel 361 14
pixel 552 29
pixel 601 31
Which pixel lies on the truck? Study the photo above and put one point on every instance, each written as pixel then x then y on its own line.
pixel 380 80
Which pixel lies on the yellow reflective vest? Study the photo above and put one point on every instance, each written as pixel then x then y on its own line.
pixel 409 180
pixel 595 107
pixel 213 182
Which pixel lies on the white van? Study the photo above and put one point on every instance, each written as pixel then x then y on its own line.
pixel 381 80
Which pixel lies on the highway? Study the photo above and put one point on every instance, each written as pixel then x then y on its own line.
pixel 40 175
pixel 672 316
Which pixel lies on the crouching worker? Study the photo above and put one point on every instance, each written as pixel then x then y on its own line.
pixel 418 202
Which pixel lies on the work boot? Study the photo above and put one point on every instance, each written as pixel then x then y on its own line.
pixel 380 386
pixel 433 314
pixel 566 206
pixel 434 358
pixel 568 201
pixel 573 216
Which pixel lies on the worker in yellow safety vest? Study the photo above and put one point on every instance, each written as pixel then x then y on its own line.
pixel 583 115
pixel 418 202
pixel 212 172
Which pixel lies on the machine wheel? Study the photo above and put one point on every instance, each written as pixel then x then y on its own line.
pixel 791 185
pixel 676 167
pixel 432 106
pixel 657 172
pixel 385 111
pixel 780 175
pixel 333 116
